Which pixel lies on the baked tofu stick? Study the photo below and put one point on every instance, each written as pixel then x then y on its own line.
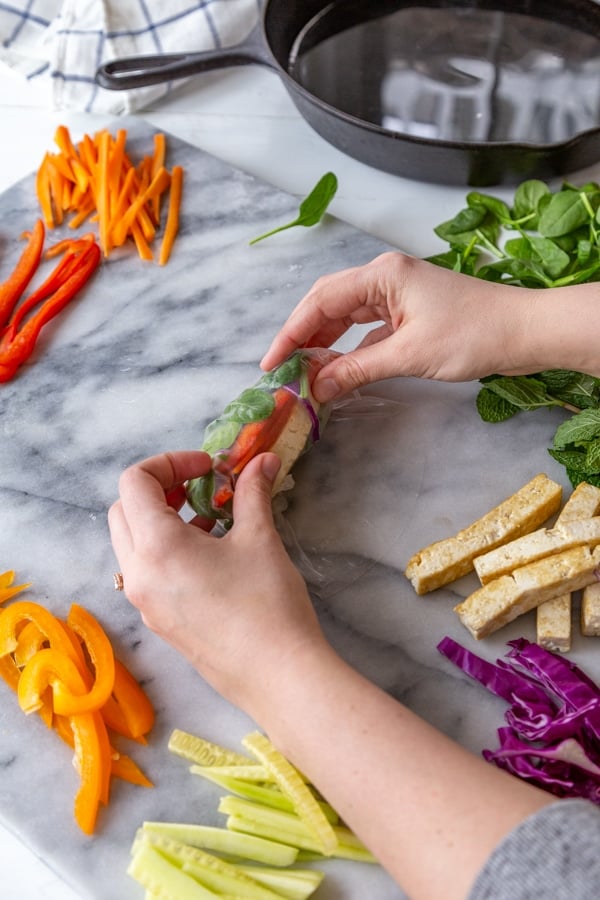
pixel 449 559
pixel 590 610
pixel 537 545
pixel 499 602
pixel 554 618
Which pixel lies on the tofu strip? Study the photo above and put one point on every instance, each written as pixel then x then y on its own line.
pixel 554 618
pixel 500 601
pixel 445 561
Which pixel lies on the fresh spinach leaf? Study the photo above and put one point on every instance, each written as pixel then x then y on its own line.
pixel 312 209
pixel 557 243
pixel 252 405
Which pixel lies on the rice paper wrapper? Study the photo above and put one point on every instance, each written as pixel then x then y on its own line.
pixel 277 414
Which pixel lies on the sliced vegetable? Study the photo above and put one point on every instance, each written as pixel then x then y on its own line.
pixel 7 588
pixel 288 828
pixel 66 672
pixel 13 287
pixel 293 786
pixel 553 720
pixel 220 840
pixel 81 257
pixel 172 224
pixel 205 753
pixel 97 178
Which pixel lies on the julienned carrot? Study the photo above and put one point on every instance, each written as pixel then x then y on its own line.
pixel 97 180
pixel 172 225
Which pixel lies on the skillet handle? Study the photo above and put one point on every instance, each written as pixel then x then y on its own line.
pixel 142 71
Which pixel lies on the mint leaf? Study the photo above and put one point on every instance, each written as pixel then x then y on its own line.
pixel 493 408
pixel 312 209
pixel 585 426
pixel 521 391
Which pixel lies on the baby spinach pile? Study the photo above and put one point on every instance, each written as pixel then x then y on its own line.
pixel 545 239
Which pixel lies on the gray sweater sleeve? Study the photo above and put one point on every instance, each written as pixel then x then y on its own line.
pixel 555 853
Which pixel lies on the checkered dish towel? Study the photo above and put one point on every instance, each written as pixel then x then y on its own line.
pixel 64 41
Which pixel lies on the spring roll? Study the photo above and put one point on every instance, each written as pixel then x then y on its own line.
pixel 278 414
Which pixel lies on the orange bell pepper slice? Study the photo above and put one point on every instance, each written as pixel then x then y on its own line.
pixel 92 747
pixel 31 639
pixel 128 711
pixel 22 611
pixel 100 652
pixel 7 588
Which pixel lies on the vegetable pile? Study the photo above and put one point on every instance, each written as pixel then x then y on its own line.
pixel 66 671
pixel 97 179
pixel 19 325
pixel 545 239
pixel 274 819
pixel 552 735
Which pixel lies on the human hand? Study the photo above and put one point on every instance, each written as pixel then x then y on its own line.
pixel 234 606
pixel 433 323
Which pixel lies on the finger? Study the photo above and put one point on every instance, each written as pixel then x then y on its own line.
pixel 330 308
pixel 353 370
pixel 252 497
pixel 120 534
pixel 143 487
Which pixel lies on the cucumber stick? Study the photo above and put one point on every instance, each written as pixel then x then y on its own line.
pixel 220 840
pixel 204 753
pixel 261 793
pixel 253 818
pixel 210 872
pixel 291 783
pixel 163 879
pixel 293 884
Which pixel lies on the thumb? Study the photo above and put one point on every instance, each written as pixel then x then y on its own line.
pixel 354 370
pixel 252 496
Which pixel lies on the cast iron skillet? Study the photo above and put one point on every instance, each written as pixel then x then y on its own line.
pixel 477 161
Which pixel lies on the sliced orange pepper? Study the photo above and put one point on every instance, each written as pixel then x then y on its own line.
pixel 92 761
pixel 22 611
pixel 100 652
pixel 49 667
pixel 121 765
pixel 7 588
pixel 129 711
pixel 31 639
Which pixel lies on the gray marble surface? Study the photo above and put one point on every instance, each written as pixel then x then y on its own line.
pixel 139 365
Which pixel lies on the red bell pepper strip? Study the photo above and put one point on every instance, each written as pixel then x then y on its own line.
pixel 13 287
pixel 67 266
pixel 16 348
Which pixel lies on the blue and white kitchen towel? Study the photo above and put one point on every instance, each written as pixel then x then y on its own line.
pixel 64 41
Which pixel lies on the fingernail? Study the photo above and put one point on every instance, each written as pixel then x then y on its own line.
pixel 325 389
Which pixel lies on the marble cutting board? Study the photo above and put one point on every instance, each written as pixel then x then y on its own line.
pixel 139 365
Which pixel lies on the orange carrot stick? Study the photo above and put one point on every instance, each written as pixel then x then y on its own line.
pixel 172 226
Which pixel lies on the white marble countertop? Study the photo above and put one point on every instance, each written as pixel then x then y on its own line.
pixel 246 118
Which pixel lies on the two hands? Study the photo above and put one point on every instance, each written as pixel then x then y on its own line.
pixel 239 611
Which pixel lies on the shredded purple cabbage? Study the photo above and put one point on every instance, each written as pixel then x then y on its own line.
pixel 552 736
